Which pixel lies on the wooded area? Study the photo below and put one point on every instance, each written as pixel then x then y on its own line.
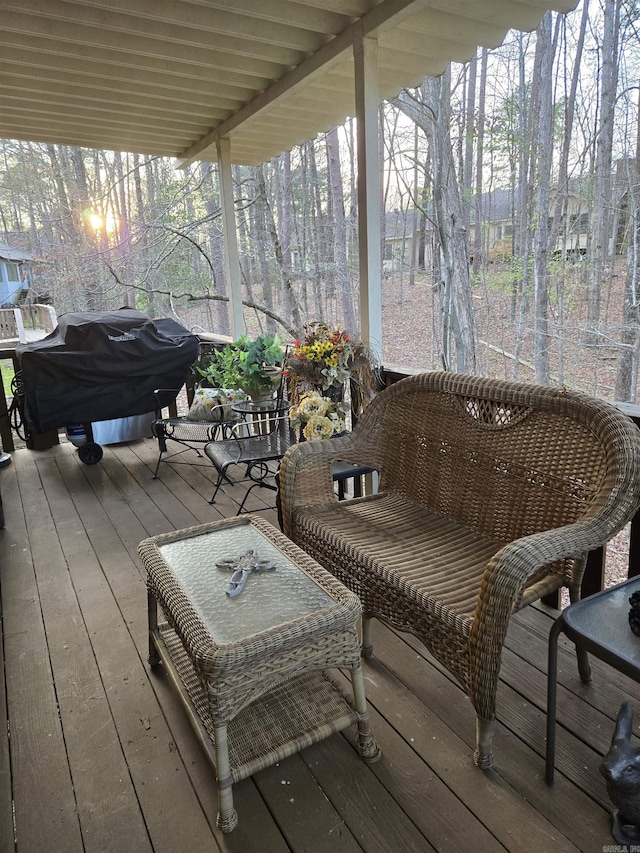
pixel 510 241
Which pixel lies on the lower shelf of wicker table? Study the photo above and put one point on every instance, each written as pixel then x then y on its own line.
pixel 292 716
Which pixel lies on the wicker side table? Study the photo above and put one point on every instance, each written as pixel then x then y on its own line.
pixel 253 671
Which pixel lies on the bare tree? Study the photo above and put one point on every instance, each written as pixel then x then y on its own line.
pixel 541 98
pixel 601 216
pixel 215 246
pixel 431 113
pixel 626 387
pixel 477 241
pixel 339 230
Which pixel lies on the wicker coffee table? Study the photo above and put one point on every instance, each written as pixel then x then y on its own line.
pixel 253 670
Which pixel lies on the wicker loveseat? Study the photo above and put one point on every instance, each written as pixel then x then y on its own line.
pixel 491 494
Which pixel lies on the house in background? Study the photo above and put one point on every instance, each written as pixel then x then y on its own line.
pixel 405 231
pixel 498 216
pixel 408 241
pixel 14 275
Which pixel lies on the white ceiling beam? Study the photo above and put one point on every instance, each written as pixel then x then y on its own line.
pixel 451 25
pixel 161 100
pixel 49 133
pixel 175 78
pixel 47 53
pixel 313 17
pixel 61 110
pixel 405 42
pixel 149 106
pixel 279 142
pixel 305 113
pixel 209 16
pixel 213 29
pixel 387 13
pixel 514 14
pixel 408 63
pixel 229 55
pixel 352 8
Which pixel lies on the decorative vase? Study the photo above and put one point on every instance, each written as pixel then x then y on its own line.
pixel 264 387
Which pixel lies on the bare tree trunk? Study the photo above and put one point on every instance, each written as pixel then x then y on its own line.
pixel 123 230
pixel 522 238
pixel 81 202
pixel 317 231
pixel 559 213
pixel 339 230
pixel 259 221
pixel 56 169
pixel 627 371
pixel 283 204
pixel 284 272
pixel 458 318
pixel 384 181
pixel 601 224
pixel 414 220
pixel 479 212
pixel 215 248
pixel 469 135
pixel 149 186
pixel 541 111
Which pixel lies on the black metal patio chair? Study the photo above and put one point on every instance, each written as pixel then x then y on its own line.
pixel 257 444
pixel 188 434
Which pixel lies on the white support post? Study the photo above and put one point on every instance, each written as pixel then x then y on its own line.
pixel 231 256
pixel 22 336
pixel 365 52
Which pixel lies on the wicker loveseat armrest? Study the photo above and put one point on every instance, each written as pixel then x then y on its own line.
pixel 507 575
pixel 521 561
pixel 305 473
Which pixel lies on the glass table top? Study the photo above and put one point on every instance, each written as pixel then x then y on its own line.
pixel 268 599
pixel 603 621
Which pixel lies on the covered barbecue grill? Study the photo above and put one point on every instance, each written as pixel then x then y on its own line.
pixel 102 365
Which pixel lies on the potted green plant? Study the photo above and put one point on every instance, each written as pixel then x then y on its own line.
pixel 219 368
pixel 260 365
pixel 217 381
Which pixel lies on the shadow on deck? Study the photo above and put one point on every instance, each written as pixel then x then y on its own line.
pixel 98 756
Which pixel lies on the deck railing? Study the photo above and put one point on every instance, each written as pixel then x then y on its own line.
pixel 22 324
pixel 26 322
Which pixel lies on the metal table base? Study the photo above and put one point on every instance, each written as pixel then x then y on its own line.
pixel 600 625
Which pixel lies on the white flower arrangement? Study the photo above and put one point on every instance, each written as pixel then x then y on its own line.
pixel 318 416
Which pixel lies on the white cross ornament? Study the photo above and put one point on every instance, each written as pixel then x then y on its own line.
pixel 242 567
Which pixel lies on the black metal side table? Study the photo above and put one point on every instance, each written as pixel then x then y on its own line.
pixel 342 471
pixel 600 625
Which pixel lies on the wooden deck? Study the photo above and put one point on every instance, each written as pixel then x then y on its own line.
pixel 97 754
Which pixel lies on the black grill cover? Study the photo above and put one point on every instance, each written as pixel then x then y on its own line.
pixel 100 365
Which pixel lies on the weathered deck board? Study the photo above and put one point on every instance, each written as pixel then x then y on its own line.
pixel 39 765
pixel 80 685
pixel 428 795
pixel 449 715
pixel 144 772
pixel 101 757
pixel 6 808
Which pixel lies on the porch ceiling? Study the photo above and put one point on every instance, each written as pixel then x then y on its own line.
pixel 167 77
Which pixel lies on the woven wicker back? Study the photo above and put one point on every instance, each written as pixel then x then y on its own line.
pixel 506 459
